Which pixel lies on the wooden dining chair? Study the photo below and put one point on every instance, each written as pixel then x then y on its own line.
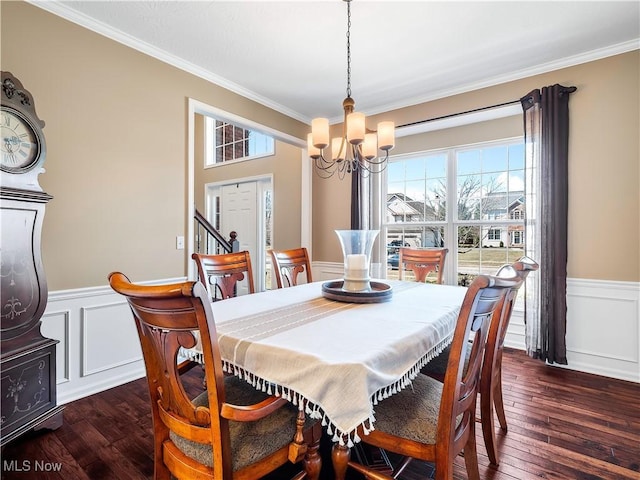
pixel 434 421
pixel 288 264
pixel 229 432
pixel 222 273
pixel 422 262
pixel 491 376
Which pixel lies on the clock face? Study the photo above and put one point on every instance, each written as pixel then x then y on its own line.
pixel 19 145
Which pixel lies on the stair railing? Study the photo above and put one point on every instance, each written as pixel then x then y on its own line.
pixel 209 240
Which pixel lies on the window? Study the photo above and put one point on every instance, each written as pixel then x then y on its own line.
pixel 467 199
pixel 517 238
pixel 225 142
pixel 518 213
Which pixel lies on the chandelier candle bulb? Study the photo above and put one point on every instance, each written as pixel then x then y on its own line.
pixel 337 148
pixel 370 146
pixel 355 128
pixel 320 132
pixel 386 135
pixel 314 152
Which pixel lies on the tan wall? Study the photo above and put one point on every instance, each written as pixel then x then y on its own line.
pixel 285 166
pixel 117 153
pixel 116 132
pixel 604 158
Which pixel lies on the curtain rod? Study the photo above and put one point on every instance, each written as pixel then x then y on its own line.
pixel 419 122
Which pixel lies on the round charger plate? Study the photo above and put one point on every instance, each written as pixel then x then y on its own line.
pixel 380 292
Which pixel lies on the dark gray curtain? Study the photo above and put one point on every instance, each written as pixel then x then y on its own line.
pixel 546 120
pixel 361 198
pixel 356 200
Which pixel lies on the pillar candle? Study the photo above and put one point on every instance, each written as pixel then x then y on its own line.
pixel 357 260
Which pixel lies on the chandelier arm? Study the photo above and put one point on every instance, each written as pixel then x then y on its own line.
pixel 324 164
pixel 323 175
pixel 367 165
pixel 379 160
pixel 324 172
pixel 369 168
pixel 342 171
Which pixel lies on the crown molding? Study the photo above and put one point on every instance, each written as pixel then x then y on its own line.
pixel 566 62
pixel 61 10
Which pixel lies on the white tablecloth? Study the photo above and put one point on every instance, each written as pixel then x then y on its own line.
pixel 340 358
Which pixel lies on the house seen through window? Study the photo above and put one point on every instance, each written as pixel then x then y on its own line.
pixel 225 142
pixel 467 199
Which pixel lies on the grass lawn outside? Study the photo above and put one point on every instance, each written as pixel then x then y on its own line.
pixel 487 258
pixel 475 261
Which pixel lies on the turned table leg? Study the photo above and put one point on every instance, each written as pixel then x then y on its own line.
pixel 340 457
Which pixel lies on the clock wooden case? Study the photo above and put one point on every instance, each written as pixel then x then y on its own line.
pixel 28 359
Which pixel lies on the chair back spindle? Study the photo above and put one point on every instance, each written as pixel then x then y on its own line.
pixel 222 273
pixel 287 265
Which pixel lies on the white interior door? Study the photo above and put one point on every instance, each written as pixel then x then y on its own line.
pixel 239 212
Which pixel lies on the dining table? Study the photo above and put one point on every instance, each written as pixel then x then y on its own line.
pixel 336 359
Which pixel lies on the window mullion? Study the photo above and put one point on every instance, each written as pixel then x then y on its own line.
pixel 452 217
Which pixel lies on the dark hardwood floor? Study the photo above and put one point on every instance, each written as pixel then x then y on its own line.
pixel 562 425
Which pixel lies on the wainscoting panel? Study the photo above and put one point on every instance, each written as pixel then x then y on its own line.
pixel 516 331
pixel 603 328
pixel 109 338
pixel 324 271
pixel 99 347
pixel 56 325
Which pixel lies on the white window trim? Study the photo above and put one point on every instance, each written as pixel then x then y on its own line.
pixel 450 226
pixel 210 145
pixel 198 107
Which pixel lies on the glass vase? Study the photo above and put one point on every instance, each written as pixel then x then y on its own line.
pixel 356 250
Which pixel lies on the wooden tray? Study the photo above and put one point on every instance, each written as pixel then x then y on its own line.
pixel 380 292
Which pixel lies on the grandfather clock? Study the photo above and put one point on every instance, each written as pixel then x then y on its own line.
pixel 27 358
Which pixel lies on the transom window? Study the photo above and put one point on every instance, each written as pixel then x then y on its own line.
pixel 467 199
pixel 225 142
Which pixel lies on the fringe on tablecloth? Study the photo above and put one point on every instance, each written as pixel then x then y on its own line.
pixel 314 410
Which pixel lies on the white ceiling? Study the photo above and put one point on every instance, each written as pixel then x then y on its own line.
pixel 291 55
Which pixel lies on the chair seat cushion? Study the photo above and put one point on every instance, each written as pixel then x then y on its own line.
pixel 413 412
pixel 250 441
pixel 437 367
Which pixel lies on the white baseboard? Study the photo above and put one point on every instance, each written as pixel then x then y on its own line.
pixel 99 347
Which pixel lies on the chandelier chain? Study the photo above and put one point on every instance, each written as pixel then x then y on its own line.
pixel 348 48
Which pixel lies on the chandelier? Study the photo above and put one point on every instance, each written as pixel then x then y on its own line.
pixel 358 147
